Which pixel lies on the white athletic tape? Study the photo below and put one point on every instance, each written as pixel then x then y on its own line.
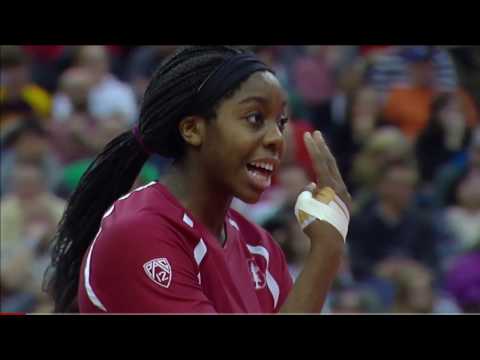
pixel 330 209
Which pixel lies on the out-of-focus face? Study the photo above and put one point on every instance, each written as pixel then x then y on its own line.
pixel 243 146
pixel 364 112
pixel 420 294
pixel 76 84
pixel 468 192
pixel 27 182
pixel 452 117
pixel 31 147
pixel 398 186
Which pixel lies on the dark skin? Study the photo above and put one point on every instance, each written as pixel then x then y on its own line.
pixel 249 127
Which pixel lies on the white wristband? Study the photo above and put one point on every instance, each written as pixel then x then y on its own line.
pixel 329 208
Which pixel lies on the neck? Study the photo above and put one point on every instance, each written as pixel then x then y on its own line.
pixel 200 195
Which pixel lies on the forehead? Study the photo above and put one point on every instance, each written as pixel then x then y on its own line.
pixel 262 84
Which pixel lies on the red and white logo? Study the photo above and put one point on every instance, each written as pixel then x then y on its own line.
pixel 258 276
pixel 159 271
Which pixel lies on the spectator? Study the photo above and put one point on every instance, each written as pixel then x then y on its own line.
pixel 314 78
pixel 17 91
pixel 390 225
pixel 323 77
pixel 108 94
pixel 346 91
pixel 361 120
pixel 464 218
pixel 414 288
pixel 29 216
pixel 29 142
pixel 76 131
pixel 408 107
pixel 355 300
pixel 467 60
pixel 463 281
pixel 48 62
pixel 389 67
pixel 142 63
pixel 448 178
pixel 383 146
pixel 446 135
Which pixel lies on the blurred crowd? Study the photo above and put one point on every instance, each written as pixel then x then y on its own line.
pixel 402 121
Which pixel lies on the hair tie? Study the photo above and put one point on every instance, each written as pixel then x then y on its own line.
pixel 139 138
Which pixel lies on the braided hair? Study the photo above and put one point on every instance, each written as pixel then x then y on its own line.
pixel 168 98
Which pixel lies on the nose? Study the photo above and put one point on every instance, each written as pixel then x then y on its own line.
pixel 273 139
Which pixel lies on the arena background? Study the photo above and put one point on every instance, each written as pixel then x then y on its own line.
pixel 402 121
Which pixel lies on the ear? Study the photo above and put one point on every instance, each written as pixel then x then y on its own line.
pixel 192 129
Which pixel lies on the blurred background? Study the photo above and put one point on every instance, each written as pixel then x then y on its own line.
pixel 402 121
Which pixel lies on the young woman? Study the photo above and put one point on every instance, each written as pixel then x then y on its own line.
pixel 175 245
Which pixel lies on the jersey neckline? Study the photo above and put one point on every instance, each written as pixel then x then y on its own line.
pixel 204 231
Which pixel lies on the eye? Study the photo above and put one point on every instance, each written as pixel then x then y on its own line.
pixel 282 122
pixel 256 119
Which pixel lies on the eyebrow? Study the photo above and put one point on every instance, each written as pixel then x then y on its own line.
pixel 259 99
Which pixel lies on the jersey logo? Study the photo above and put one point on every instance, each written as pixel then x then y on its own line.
pixel 258 276
pixel 159 271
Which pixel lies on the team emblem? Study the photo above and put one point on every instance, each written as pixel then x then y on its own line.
pixel 159 271
pixel 258 276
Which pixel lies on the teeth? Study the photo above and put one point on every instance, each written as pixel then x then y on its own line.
pixel 263 165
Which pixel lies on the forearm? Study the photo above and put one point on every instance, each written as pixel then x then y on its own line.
pixel 321 266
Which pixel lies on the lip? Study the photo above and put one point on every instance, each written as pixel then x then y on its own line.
pixel 259 181
pixel 274 161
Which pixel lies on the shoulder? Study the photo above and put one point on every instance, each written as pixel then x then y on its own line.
pixel 145 216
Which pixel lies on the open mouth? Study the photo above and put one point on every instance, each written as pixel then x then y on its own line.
pixel 260 174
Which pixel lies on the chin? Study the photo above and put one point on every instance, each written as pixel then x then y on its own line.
pixel 249 197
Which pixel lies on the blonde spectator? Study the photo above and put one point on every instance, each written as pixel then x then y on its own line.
pixel 29 217
pixel 464 217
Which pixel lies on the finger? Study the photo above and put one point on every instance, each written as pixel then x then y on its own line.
pixel 318 159
pixel 330 159
pixel 340 187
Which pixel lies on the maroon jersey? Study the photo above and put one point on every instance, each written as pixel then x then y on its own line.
pixel 151 255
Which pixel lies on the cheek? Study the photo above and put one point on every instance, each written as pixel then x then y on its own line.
pixel 221 153
pixel 235 145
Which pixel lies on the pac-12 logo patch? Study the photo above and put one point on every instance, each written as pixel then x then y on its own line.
pixel 159 270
